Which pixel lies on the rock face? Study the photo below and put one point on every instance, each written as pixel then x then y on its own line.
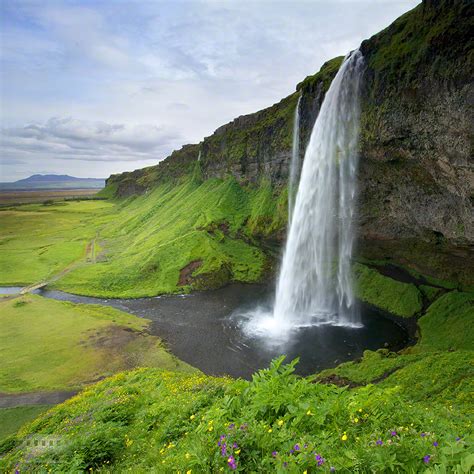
pixel 416 174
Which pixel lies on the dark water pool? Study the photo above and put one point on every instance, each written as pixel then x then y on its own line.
pixel 201 329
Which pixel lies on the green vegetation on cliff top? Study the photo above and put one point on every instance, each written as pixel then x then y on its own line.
pixel 416 418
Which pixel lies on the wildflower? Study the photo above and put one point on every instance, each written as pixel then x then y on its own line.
pixel 393 433
pixel 379 442
pixel 244 426
pixel 426 459
pixel 356 420
pixel 423 435
pixel 360 411
pixel 285 464
pixel 238 451
pixel 211 428
pixel 344 436
pixel 436 444
pixel 458 438
pixel 320 459
pixel 235 446
pixel 280 422
pixel 296 447
pixel 192 417
pixel 187 455
pixel 332 469
pixel 305 472
pixel 231 426
pixel 231 463
pixel 274 454
pixel 309 412
pixel 270 430
pixel 189 471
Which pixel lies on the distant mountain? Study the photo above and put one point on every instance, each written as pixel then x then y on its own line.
pixel 53 181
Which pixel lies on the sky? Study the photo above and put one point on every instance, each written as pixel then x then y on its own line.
pixel 90 88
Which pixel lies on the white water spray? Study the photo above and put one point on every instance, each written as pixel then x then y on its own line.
pixel 295 164
pixel 314 284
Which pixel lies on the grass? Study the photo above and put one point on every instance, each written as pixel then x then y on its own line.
pixel 53 345
pixel 153 237
pixel 12 419
pixel 38 241
pixel 401 299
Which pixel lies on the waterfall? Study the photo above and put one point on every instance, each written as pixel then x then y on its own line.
pixel 314 285
pixel 295 162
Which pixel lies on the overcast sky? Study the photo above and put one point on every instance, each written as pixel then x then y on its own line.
pixel 90 88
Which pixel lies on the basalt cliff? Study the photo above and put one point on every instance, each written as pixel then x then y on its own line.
pixel 416 173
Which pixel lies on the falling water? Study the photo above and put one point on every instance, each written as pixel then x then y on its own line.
pixel 295 164
pixel 314 284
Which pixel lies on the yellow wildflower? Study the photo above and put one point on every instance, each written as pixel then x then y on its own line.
pixel 356 420
pixel 344 436
pixel 189 471
pixel 280 422
pixel 192 417
pixel 309 412
pixel 270 430
pixel 238 451
pixel 210 428
pixel 360 410
pixel 187 455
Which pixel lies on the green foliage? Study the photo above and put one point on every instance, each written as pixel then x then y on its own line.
pixel 401 299
pixel 51 345
pixel 445 326
pixel 148 420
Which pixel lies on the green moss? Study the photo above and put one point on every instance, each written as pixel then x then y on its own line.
pixel 325 75
pixel 445 326
pixel 430 292
pixel 401 299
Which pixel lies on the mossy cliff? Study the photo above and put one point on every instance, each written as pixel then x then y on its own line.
pixel 416 179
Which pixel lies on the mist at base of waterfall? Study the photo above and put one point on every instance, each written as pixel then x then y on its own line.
pixel 260 323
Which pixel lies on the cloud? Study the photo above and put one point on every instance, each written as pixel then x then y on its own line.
pixel 181 68
pixel 74 139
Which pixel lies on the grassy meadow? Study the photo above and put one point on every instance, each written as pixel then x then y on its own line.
pixel 50 345
pixel 38 241
pixel 406 412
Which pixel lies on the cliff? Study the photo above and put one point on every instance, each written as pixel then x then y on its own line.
pixel 416 174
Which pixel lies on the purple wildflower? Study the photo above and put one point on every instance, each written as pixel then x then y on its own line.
pixel 231 426
pixel 296 447
pixel 292 451
pixel 235 446
pixel 436 444
pixel 231 463
pixel 423 435
pixel 458 438
pixel 305 445
pixel 244 426
pixel 274 454
pixel 332 469
pixel 285 464
pixel 426 459
pixel 393 433
pixel 379 442
pixel 224 450
pixel 320 459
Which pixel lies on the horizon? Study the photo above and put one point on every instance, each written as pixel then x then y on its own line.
pixel 90 90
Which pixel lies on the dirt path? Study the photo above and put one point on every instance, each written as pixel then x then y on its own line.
pixel 10 400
